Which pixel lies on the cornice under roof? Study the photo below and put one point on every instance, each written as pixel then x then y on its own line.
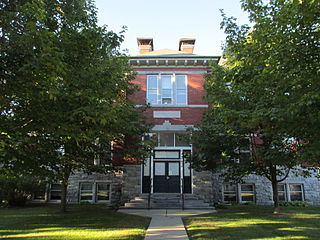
pixel 172 58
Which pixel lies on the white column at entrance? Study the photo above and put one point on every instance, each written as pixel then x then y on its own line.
pixel 151 173
pixel 181 171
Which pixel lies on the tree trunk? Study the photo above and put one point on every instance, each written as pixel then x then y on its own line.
pixel 63 206
pixel 275 194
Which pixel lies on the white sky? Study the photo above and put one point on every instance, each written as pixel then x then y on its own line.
pixel 166 21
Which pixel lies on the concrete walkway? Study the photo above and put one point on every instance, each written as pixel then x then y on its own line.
pixel 165 223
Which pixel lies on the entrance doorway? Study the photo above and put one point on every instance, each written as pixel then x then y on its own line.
pixel 166 177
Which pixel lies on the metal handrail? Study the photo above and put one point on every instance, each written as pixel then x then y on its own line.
pixel 182 195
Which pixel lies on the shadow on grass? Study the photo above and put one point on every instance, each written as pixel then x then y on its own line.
pixel 256 222
pixel 81 222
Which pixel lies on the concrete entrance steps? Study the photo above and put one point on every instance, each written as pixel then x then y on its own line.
pixel 168 201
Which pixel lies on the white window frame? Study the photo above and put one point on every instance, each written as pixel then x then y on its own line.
pixel 50 193
pixel 253 192
pixel 94 190
pixel 174 139
pixel 287 191
pixel 239 192
pixel 173 90
pixel 157 90
pixel 224 192
pixel 284 191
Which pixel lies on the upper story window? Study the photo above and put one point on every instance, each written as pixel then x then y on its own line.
pixel 167 89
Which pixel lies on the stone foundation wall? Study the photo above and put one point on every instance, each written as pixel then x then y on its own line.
pixel 202 185
pixel 131 182
pixel 263 188
pixel 115 179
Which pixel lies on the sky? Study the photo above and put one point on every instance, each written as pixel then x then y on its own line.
pixel 166 21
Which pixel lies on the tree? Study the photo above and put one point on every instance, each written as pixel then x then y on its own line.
pixel 65 88
pixel 266 95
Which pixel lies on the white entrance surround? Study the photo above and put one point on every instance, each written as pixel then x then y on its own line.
pixel 167 127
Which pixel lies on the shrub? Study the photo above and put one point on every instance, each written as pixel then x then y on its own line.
pixel 15 191
pixel 294 203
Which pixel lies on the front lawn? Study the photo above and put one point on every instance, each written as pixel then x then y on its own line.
pixel 256 222
pixel 81 222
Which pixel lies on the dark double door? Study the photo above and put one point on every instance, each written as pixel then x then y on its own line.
pixel 166 177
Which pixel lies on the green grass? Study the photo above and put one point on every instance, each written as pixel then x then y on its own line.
pixel 79 223
pixel 256 222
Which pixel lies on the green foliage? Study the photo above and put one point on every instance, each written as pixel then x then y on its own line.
pixel 264 98
pixel 64 91
pixel 295 204
pixel 15 191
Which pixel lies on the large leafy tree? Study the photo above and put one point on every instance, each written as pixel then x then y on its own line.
pixel 64 91
pixel 265 97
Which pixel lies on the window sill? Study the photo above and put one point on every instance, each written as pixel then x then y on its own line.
pixel 177 105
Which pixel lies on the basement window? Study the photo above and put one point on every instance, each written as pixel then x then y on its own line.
pixel 296 192
pixel 240 193
pixel 95 192
pixel 55 192
pixel 291 192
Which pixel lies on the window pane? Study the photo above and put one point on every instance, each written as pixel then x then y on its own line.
pixel 186 169
pixel 229 187
pixel 86 186
pixel 166 100
pixel 152 82
pixel 166 154
pixel 103 190
pixel 181 97
pixel 230 197
pixel 281 188
pixel 166 93
pixel 40 194
pixel 247 197
pixel 56 186
pixel 229 192
pixel 55 192
pixel 295 187
pixel 295 192
pixel 296 196
pixel 159 169
pixel 282 196
pixel 152 96
pixel 86 192
pixel 181 82
pixel 166 82
pixel 174 169
pixel 247 192
pixel 146 167
pixel 166 139
pixel 246 188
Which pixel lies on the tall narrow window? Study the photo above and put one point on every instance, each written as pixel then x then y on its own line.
pixel 229 192
pixel 282 192
pixel 247 193
pixel 86 192
pixel 152 92
pixel 166 89
pixel 55 191
pixel 181 89
pixel 296 192
pixel 102 192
